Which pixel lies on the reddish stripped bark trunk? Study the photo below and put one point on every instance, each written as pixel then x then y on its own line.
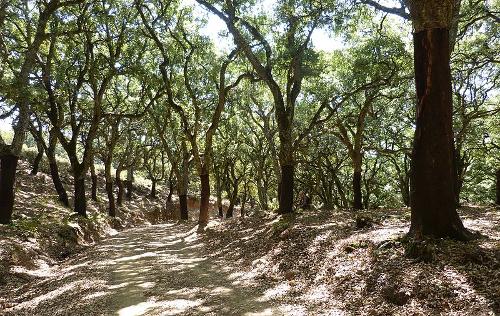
pixel 205 199
pixel 433 209
pixel 8 165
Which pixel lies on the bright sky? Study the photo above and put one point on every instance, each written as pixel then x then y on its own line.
pixel 321 39
pixel 6 124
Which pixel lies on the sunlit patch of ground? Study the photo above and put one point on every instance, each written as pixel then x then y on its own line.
pixel 156 270
pixel 319 261
pixel 44 232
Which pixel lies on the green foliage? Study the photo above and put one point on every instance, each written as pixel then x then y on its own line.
pixel 138 84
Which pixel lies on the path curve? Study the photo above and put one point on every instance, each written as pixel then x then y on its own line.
pixel 156 270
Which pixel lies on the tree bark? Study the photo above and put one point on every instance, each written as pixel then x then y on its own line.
pixel 153 189
pixel 109 186
pixel 170 191
pixel 8 165
pixel 218 188
pixel 182 186
pixel 244 199
pixel 56 179
pixel 459 168
pixel 111 199
pixel 498 187
pixel 79 197
pixel 130 184
pixel 433 209
pixel 38 159
pixel 356 185
pixel 119 184
pixel 54 169
pixel 205 199
pixel 183 207
pixel 93 177
pixel 286 189
pixel 340 190
pixel 262 193
pixel 232 200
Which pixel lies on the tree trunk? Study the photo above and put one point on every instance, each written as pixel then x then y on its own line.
pixel 109 187
pixel 79 194
pixel 183 206
pixel 130 184
pixel 111 198
pixel 243 201
pixel 356 186
pixel 404 186
pixel 498 186
pixel 170 191
pixel 459 167
pixel 153 189
pixel 262 194
pixel 433 209
pixel 119 184
pixel 205 198
pixel 340 190
pixel 38 159
pixel 8 165
pixel 93 176
pixel 54 169
pixel 232 200
pixel 286 189
pixel 61 191
pixel 170 185
pixel 218 188
pixel 182 187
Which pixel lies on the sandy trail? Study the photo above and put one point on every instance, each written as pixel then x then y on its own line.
pixel 157 270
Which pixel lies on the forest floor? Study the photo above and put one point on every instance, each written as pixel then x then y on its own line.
pixel 313 263
pixel 317 262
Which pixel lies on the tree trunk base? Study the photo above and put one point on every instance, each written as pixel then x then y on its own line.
pixel 455 232
pixel 183 207
pixel 356 185
pixel 286 190
pixel 205 199
pixel 80 199
pixel 8 166
pixel 111 199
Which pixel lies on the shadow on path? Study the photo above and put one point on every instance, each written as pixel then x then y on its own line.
pixel 157 270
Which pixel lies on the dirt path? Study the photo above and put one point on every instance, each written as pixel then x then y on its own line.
pixel 157 270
